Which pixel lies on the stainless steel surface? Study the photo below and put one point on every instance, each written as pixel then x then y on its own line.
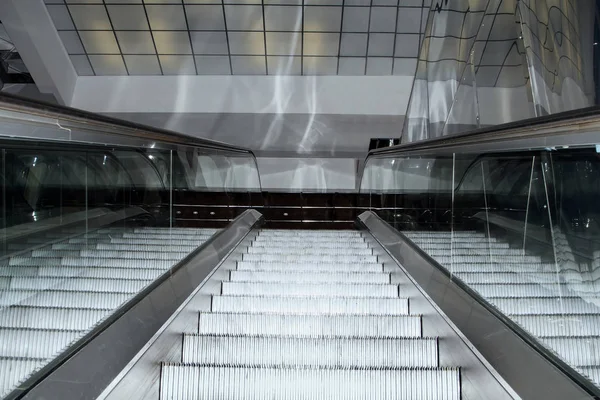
pixel 526 370
pixel 99 356
pixel 282 322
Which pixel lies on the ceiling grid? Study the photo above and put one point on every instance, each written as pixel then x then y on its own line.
pixel 240 37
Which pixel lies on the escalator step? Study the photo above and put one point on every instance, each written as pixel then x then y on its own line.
pixel 152 242
pixel 301 266
pixel 146 255
pixel 179 382
pixel 483 259
pixel 147 248
pixel 521 290
pixel 447 246
pixel 355 353
pixel 305 277
pixel 459 268
pixel 381 326
pixel 508 277
pixel 264 244
pixel 51 318
pixel 559 325
pixel 576 350
pixel 307 289
pixel 117 263
pixel 14 371
pixel 28 343
pixel 310 305
pixel 62 271
pixel 79 284
pixel 165 236
pixel 542 305
pixel 310 251
pixel 61 299
pixel 309 258
pixel 296 241
pixel 309 234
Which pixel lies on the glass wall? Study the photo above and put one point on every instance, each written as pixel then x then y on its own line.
pixel 521 228
pixel 87 222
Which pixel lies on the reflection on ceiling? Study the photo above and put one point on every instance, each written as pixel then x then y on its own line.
pixel 241 37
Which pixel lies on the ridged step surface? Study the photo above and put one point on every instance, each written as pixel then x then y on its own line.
pixel 51 296
pixel 309 315
pixel 316 325
pixel 355 353
pixel 187 382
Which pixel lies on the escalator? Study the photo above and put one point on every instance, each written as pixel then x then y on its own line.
pixel 309 314
pixel 460 281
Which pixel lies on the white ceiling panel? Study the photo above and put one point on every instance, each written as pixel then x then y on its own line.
pixel 105 64
pixel 166 17
pixel 320 65
pixel 354 44
pixel 352 66
pixel 142 64
pixel 322 19
pixel 248 65
pixel 284 65
pixel 136 42
pixel 213 65
pixel 205 17
pixel 321 44
pixel 280 18
pixel 214 43
pixel 284 43
pixel 177 65
pixel 99 42
pixel 244 18
pixel 90 16
pixel 128 17
pixel 171 42
pixel 247 43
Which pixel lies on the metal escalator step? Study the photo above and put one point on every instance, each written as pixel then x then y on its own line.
pixel 102 272
pixel 175 248
pixel 55 253
pixel 116 263
pixel 448 260
pixel 310 305
pixel 447 246
pixel 34 262
pixel 356 353
pixel 51 318
pixel 72 246
pixel 10 271
pixel 467 252
pixel 521 290
pixel 310 289
pixel 303 241
pixel 168 230
pixel 151 242
pixel 307 277
pixel 366 326
pixel 544 305
pixel 309 258
pixel 30 343
pixel 300 266
pixel 309 245
pixel 5 282
pixel 308 233
pixel 310 251
pixel 466 234
pixel 165 236
pixel 187 382
pixel 83 241
pixel 559 325
pixel 62 299
pixel 459 268
pixel 79 284
pixel 508 277
pixel 146 255
pixel 592 372
pixel 576 350
pixel 14 371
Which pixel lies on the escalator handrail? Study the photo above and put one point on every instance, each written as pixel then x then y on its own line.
pixel 114 126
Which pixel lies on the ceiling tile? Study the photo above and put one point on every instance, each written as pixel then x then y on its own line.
pixel 142 65
pixel 108 65
pixel 244 18
pixel 383 19
pixel 379 66
pixel 284 43
pixel 487 76
pixel 90 17
pixel 381 44
pixel 499 53
pixel 390 3
pixel 247 43
pixel 409 20
pixel 205 17
pixel 82 65
pixel 352 66
pixel 135 42
pixel 84 1
pixel 323 2
pixel 209 43
pixel 60 16
pixel 358 3
pixel 322 19
pixel 356 19
pixel 242 1
pixel 70 40
pixel 405 66
pixel 169 42
pixel 414 3
pixel 319 66
pixel 177 65
pixel 126 17
pixel 321 44
pixel 99 42
pixel 54 1
pixel 248 65
pixel 122 1
pixel 162 1
pixel 284 65
pixel 166 17
pixel 283 18
pixel 407 45
pixel 354 44
pixel 284 2
pixel 213 65
pixel 204 1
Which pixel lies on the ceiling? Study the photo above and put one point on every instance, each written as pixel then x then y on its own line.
pixel 241 37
